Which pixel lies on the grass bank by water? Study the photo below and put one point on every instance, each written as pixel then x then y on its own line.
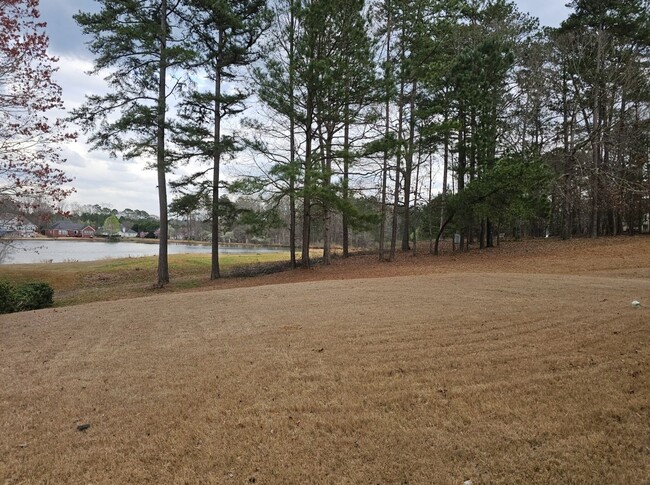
pixel 111 279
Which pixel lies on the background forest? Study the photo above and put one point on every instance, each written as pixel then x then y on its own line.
pixel 378 123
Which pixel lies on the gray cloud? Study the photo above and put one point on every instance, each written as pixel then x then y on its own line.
pixel 66 38
pixel 119 183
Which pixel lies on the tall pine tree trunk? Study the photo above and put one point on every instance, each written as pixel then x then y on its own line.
pixel 445 170
pixel 595 144
pixel 384 172
pixel 292 139
pixel 216 160
pixel 415 203
pixel 462 160
pixel 327 210
pixel 568 177
pixel 398 168
pixel 346 181
pixel 408 169
pixel 163 265
pixel 306 202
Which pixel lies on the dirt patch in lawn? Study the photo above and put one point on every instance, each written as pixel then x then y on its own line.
pixel 522 364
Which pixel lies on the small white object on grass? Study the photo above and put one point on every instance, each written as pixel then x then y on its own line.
pixel 636 303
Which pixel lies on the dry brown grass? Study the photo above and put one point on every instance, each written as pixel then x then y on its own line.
pixel 113 279
pixel 526 364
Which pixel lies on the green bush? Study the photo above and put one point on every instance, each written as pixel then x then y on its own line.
pixel 33 296
pixel 29 296
pixel 7 298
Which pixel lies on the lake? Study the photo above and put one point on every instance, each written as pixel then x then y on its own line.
pixel 59 251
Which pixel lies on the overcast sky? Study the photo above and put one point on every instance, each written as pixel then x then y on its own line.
pixel 120 184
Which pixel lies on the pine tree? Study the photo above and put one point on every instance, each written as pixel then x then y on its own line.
pixel 138 44
pixel 276 138
pixel 224 36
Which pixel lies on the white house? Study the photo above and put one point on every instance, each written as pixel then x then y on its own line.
pixel 16 226
pixel 127 232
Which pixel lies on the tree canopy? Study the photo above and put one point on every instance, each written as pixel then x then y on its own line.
pixel 30 135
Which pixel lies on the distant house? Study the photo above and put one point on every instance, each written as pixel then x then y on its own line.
pixel 70 229
pixel 16 226
pixel 127 231
pixel 88 231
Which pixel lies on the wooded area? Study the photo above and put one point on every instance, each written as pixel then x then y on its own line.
pixel 416 119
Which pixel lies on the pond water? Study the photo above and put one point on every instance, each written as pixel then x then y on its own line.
pixel 61 250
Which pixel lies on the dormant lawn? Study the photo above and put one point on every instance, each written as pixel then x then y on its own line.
pixel 522 364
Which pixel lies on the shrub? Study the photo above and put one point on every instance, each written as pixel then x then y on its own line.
pixel 7 298
pixel 33 296
pixel 29 296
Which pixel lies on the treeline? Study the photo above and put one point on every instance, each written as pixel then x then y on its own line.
pixel 244 220
pixel 413 119
pixel 110 221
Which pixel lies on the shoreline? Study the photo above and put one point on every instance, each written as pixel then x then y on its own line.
pixel 148 241
pixel 66 250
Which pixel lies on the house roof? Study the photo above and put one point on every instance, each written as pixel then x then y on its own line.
pixel 7 218
pixel 67 226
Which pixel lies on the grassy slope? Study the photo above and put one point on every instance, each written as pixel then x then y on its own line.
pixel 523 365
pixel 111 279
